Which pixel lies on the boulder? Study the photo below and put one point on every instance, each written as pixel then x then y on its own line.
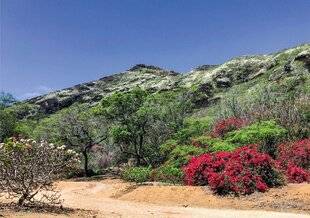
pixel 223 82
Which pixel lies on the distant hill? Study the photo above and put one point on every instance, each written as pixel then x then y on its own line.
pixel 214 81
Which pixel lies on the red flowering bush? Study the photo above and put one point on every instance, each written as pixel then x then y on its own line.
pixel 297 174
pixel 227 125
pixel 242 171
pixel 297 153
pixel 294 160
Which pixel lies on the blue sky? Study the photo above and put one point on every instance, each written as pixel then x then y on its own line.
pixel 53 44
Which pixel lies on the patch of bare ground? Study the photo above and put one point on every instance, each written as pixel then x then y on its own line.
pixel 44 211
pixel 290 198
pixel 116 198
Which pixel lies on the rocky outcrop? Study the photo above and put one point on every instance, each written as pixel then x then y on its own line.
pixel 205 67
pixel 139 67
pixel 304 56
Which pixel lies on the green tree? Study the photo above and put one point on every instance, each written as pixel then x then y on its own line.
pixel 76 127
pixel 142 121
pixel 7 124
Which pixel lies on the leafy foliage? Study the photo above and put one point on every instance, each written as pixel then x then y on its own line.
pixel 167 147
pixel 259 101
pixel 25 110
pixel 242 171
pixel 7 124
pixel 75 126
pixel 168 173
pixel 182 154
pixel 142 122
pixel 222 127
pixel 213 144
pixel 294 159
pixel 222 146
pixel 297 174
pixel 137 174
pixel 297 153
pixel 193 127
pixel 258 132
pixel 24 128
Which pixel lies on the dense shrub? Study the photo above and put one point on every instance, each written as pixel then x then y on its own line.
pixel 25 128
pixel 168 173
pixel 25 110
pixel 204 141
pixel 289 109
pixel 242 171
pixel 192 128
pixel 297 174
pixel 297 153
pixel 166 148
pixel 137 174
pixel 213 144
pixel 183 153
pixel 222 146
pixel 7 124
pixel 266 133
pixel 194 170
pixel 294 160
pixel 222 127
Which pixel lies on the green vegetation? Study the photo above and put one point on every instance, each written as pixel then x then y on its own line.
pixel 182 153
pixel 222 146
pixel 192 127
pixel 137 174
pixel 7 124
pixel 76 127
pixel 162 120
pixel 168 173
pixel 259 132
pixel 167 147
pixel 140 121
pixel 213 144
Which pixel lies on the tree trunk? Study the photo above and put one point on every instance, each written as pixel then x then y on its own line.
pixel 22 199
pixel 136 154
pixel 85 155
pixel 138 160
pixel 140 152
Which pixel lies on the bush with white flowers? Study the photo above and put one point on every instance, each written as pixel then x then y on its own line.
pixel 28 170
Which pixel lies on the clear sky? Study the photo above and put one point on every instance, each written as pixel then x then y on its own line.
pixel 53 44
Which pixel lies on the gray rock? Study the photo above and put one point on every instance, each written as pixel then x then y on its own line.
pixel 224 82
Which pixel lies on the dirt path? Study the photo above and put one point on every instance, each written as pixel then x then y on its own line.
pixel 114 198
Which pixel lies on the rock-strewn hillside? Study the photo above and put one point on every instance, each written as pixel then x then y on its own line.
pixel 211 79
pixel 148 77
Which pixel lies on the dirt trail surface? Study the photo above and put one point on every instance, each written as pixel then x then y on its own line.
pixel 115 198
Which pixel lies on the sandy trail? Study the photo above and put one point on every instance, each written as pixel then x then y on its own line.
pixel 114 198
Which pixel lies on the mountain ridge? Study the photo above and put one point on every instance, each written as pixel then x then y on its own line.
pixel 212 77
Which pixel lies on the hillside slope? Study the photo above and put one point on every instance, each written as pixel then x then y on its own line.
pixel 288 68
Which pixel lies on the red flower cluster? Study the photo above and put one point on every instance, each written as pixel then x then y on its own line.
pixel 297 174
pixel 241 172
pixel 227 125
pixel 297 153
pixel 294 160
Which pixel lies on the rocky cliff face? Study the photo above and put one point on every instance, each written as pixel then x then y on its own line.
pixel 209 78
